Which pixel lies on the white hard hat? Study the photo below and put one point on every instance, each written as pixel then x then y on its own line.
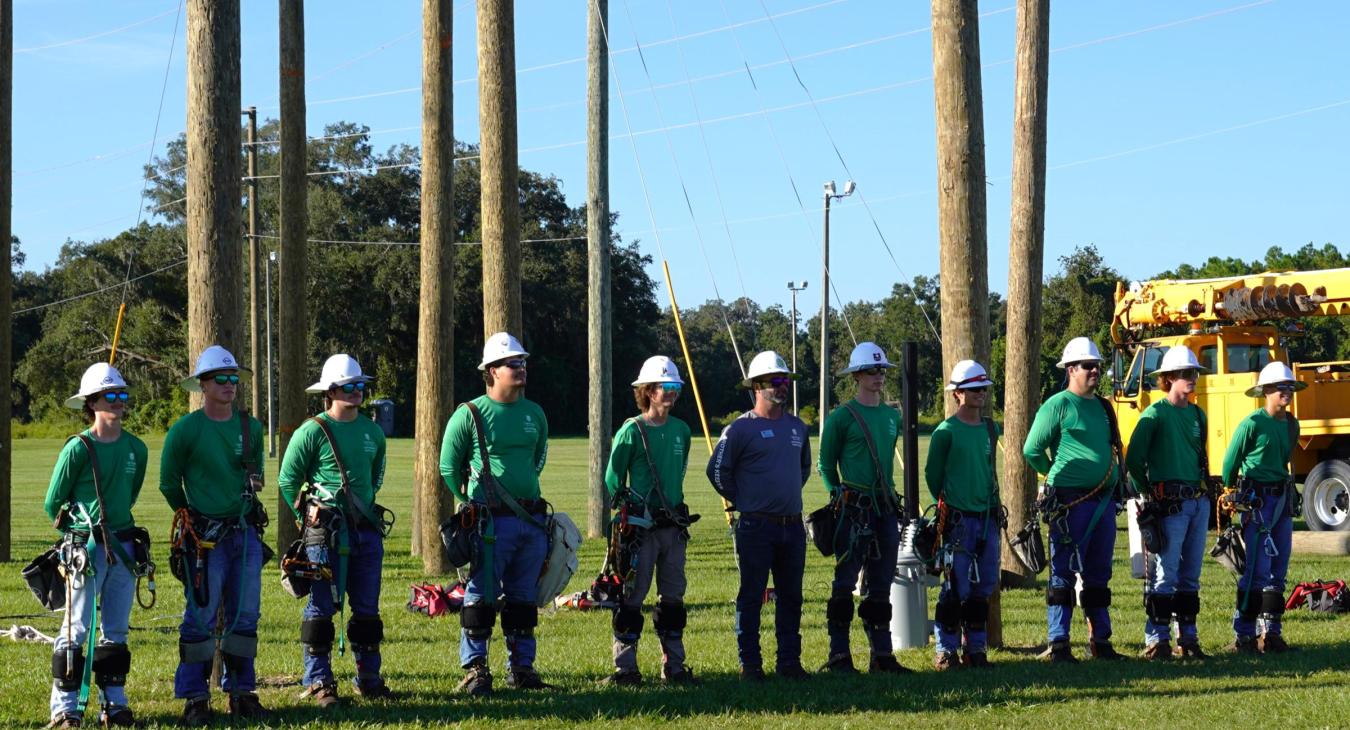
pixel 499 347
pixel 969 374
pixel 1178 357
pixel 658 369
pixel 97 378
pixel 866 355
pixel 212 359
pixel 767 363
pixel 338 370
pixel 1275 372
pixel 1079 349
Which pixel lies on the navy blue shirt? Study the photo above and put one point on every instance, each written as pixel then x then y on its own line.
pixel 761 464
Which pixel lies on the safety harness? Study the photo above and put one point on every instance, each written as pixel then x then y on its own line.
pixel 1054 512
pixel 1263 528
pixel 849 502
pixel 949 518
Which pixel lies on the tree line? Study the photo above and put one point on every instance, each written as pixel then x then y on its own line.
pixel 363 300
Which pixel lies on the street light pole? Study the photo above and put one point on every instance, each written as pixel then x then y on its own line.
pixel 271 412
pixel 794 287
pixel 849 187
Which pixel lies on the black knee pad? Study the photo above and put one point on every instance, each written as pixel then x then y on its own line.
pixel 196 652
pixel 477 620
pixel 626 622
pixel 975 614
pixel 1061 596
pixel 1160 607
pixel 317 635
pixel 947 614
pixel 1186 606
pixel 1272 604
pixel 519 619
pixel 111 664
pixel 875 614
pixel 669 618
pixel 839 610
pixel 238 649
pixel 68 675
pixel 1248 604
pixel 1095 597
pixel 365 632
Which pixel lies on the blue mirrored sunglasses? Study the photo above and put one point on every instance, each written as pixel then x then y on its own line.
pixel 113 396
pixel 222 379
pixel 349 387
pixel 671 387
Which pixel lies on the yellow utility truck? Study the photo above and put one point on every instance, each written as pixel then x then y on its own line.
pixel 1235 326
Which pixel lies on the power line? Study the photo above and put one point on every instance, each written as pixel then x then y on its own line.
pixel 96 36
pixel 110 287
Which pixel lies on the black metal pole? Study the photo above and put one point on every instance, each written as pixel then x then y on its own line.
pixel 909 412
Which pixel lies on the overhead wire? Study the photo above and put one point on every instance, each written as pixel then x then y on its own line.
pixel 96 36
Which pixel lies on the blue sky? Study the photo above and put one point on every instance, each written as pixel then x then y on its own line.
pixel 1177 130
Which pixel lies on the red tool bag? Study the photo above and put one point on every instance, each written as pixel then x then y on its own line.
pixel 434 600
pixel 1328 596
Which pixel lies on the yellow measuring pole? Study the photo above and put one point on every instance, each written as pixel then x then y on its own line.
pixel 117 332
pixel 689 365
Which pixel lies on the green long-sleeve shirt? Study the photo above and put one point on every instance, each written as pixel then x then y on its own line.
pixel 202 465
pixel 669 444
pixel 121 474
pixel 1077 436
pixel 309 460
pixel 958 466
pixel 1259 449
pixel 844 456
pixel 517 447
pixel 1166 445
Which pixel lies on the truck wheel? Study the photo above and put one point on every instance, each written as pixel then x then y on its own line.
pixel 1326 496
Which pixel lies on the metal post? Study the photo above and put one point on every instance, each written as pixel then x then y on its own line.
pixel 909 412
pixel 794 287
pixel 824 407
pixel 271 404
pixel 254 262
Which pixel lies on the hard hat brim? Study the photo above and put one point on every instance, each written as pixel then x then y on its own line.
pixel 192 383
pixel 506 356
pixel 1161 371
pixel 1258 391
pixel 746 383
pixel 638 382
pixel 856 368
pixel 970 386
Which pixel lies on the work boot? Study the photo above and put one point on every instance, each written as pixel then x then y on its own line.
pixel 946 660
pixel 1160 651
pixel 477 680
pixel 1059 652
pixel 793 672
pixel 65 721
pixel 682 676
pixel 376 690
pixel 1189 650
pixel 1272 644
pixel 116 716
pixel 1103 650
pixel 525 678
pixel 324 694
pixel 752 674
pixel 1244 645
pixel 975 660
pixel 841 663
pixel 886 664
pixel 623 678
pixel 247 707
pixel 196 712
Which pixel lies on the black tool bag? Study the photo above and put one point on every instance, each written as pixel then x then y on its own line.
pixel 44 579
pixel 1029 547
pixel 1149 518
pixel 460 535
pixel 1230 551
pixel 821 525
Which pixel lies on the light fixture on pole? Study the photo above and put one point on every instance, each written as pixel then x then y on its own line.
pixel 849 187
pixel 794 287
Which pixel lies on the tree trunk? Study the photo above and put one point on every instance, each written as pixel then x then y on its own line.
pixel 215 262
pixel 6 266
pixel 598 321
pixel 436 309
pixel 1022 378
pixel 292 322
pixel 964 275
pixel 500 203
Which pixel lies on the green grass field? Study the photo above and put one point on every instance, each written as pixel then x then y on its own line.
pixel 1303 689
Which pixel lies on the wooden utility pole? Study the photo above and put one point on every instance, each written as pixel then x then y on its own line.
pixel 436 310
pixel 1026 251
pixel 963 274
pixel 292 323
pixel 255 359
pixel 6 266
pixel 500 204
pixel 215 262
pixel 598 319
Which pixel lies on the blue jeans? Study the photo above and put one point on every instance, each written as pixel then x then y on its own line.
pixel 365 559
pixel 1091 559
pixel 234 580
pixel 114 588
pixel 877 557
pixel 518 556
pixel 974 574
pixel 764 547
pixel 1265 572
pixel 1177 569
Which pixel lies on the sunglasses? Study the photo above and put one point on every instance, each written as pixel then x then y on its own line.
pixel 1088 365
pixel 1188 374
pixel 513 364
pixel 114 396
pixel 773 383
pixel 226 379
pixel 350 387
pixel 1284 387
pixel 873 371
pixel 981 390
pixel 671 387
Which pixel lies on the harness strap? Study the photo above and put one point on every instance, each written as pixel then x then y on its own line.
pixel 495 489
pixel 879 480
pixel 656 477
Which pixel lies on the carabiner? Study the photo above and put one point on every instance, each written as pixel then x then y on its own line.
pixel 974 572
pixel 1268 545
pixel 1076 561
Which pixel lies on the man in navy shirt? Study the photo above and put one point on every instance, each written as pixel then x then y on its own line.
pixel 759 466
